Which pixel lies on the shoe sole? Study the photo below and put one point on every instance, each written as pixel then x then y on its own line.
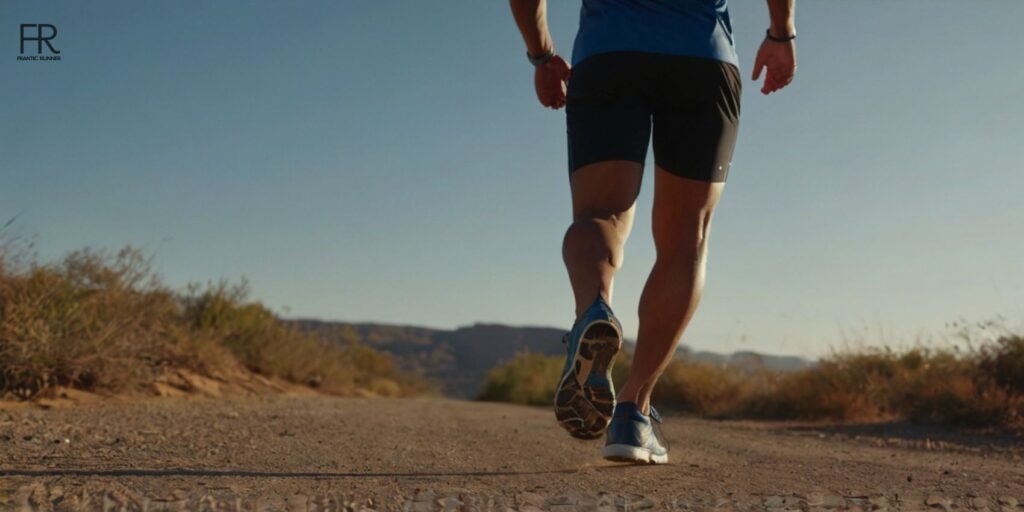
pixel 584 411
pixel 632 454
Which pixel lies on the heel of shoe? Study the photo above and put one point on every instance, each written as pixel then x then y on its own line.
pixel 626 453
pixel 632 454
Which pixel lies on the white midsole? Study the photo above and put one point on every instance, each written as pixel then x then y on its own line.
pixel 634 453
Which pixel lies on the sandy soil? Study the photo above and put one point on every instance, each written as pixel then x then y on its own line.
pixel 322 453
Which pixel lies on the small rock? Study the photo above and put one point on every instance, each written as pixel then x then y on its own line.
pixel 935 500
pixel 1009 501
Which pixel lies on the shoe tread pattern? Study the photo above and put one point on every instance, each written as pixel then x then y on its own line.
pixel 582 408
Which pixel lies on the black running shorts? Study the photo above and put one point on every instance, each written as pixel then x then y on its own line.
pixel 694 104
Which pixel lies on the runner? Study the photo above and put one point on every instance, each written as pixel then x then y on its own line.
pixel 637 63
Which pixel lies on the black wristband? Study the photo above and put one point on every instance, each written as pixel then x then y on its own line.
pixel 768 34
pixel 541 59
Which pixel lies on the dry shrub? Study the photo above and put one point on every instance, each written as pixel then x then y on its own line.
pixel 268 346
pixel 90 321
pixel 1003 363
pixel 983 387
pixel 106 322
pixel 979 388
pixel 702 389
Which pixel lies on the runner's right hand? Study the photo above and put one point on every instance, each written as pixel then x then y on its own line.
pixel 551 81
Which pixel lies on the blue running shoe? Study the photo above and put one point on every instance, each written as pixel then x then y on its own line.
pixel 585 398
pixel 631 437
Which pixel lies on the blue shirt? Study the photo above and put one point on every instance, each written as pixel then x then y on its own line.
pixel 698 28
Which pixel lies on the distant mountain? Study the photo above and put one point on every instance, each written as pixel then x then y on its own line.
pixel 458 360
pixel 749 360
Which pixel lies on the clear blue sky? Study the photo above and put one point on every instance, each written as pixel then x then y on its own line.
pixel 387 161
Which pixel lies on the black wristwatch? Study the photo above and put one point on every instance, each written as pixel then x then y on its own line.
pixel 768 34
pixel 542 59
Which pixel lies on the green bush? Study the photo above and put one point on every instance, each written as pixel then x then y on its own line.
pixel 529 379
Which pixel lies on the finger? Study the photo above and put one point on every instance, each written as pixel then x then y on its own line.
pixel 560 100
pixel 782 78
pixel 758 64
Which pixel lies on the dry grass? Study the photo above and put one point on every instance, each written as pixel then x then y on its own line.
pixel 920 384
pixel 105 322
pixel 982 387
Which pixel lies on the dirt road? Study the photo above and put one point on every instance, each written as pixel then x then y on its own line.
pixel 315 453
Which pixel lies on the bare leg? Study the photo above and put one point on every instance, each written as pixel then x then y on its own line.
pixel 603 202
pixel 681 219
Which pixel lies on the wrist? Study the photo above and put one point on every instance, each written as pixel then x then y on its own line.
pixel 540 59
pixel 788 38
pixel 540 46
pixel 782 31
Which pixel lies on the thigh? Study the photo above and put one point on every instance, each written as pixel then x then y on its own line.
pixel 696 118
pixel 608 116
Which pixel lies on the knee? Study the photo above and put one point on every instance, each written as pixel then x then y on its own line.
pixel 685 238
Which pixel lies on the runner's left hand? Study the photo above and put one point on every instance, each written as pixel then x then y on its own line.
pixel 779 59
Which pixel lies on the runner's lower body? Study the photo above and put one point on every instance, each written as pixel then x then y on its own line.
pixel 617 103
